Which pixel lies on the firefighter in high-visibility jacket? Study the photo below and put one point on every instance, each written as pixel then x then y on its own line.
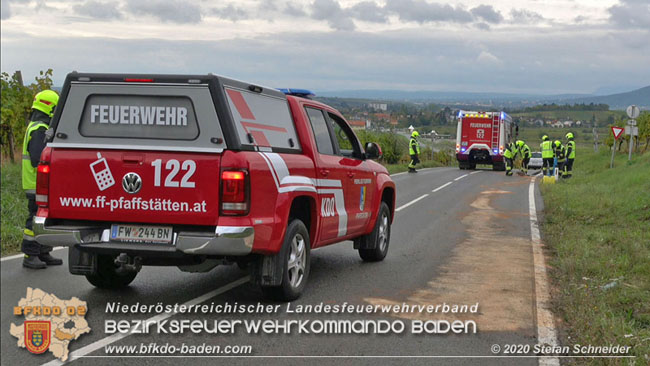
pixel 414 151
pixel 508 155
pixel 547 155
pixel 570 156
pixel 36 256
pixel 525 153
pixel 559 153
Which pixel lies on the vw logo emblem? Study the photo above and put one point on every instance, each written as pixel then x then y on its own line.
pixel 131 183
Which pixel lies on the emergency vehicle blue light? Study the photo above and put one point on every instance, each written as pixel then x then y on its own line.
pixel 503 115
pixel 297 92
pixel 460 113
pixel 496 151
pixel 462 149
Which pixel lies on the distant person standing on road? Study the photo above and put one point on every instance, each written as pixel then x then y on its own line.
pixel 414 151
pixel 525 153
pixel 508 155
pixel 570 155
pixel 547 155
pixel 36 256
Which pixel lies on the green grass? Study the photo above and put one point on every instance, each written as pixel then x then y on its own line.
pixel 14 209
pixel 597 227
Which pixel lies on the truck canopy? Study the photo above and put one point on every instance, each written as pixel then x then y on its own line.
pixel 191 113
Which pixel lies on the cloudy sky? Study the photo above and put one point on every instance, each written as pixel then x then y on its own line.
pixel 538 46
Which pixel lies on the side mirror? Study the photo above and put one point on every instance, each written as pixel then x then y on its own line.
pixel 373 151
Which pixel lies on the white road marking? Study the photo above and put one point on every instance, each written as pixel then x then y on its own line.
pixel 461 177
pixel 441 187
pixel 410 203
pixel 118 336
pixel 16 256
pixel 396 174
pixel 546 333
pixel 478 171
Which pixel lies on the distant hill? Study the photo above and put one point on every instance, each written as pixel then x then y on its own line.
pixel 640 97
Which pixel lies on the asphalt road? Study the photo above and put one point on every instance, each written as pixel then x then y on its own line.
pixel 464 243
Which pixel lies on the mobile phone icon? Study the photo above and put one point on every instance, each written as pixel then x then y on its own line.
pixel 102 173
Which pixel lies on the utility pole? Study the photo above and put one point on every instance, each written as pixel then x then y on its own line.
pixel 595 139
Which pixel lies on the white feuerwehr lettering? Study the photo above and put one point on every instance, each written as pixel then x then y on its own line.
pixel 138 115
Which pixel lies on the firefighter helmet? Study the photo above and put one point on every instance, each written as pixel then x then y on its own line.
pixel 415 134
pixel 569 136
pixel 520 143
pixel 545 138
pixel 45 101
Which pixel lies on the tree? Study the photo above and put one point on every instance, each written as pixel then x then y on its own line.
pixel 16 105
pixel 643 123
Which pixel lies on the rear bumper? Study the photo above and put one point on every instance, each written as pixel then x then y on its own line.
pixel 226 240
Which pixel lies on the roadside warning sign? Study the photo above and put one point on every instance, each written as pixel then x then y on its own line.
pixel 617 131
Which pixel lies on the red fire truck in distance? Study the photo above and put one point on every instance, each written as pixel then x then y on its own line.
pixel 195 171
pixel 481 138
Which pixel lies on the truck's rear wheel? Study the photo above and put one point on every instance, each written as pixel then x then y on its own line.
pixel 380 237
pixel 107 275
pixel 296 264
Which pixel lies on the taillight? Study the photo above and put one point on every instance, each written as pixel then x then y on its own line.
pixel 43 178
pixel 457 147
pixel 234 192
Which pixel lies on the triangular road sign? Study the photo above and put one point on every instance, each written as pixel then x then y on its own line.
pixel 617 131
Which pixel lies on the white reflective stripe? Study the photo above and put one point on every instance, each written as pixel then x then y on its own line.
pixel 279 165
pixel 26 157
pixel 30 191
pixel 297 189
pixel 339 203
pixel 296 179
pixel 41 198
pixel 268 162
pixel 328 183
pixel 28 237
pixel 283 181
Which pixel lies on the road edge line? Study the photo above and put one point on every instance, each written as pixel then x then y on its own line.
pixel 89 348
pixel 546 333
pixel 21 255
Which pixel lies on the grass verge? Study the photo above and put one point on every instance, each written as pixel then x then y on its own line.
pixel 14 208
pixel 597 227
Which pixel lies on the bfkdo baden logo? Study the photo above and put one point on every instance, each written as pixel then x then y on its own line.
pixel 50 323
pixel 37 335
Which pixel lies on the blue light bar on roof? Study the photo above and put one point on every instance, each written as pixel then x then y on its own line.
pixel 297 92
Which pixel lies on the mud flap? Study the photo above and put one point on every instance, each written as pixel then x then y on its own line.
pixel 268 269
pixel 81 263
pixel 364 243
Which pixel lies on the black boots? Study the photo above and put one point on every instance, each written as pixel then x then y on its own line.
pixel 41 261
pixel 412 170
pixel 49 260
pixel 32 261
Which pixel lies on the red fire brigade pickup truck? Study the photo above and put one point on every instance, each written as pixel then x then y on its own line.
pixel 199 170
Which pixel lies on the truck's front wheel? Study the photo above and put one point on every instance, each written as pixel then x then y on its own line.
pixel 107 275
pixel 296 264
pixel 379 238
